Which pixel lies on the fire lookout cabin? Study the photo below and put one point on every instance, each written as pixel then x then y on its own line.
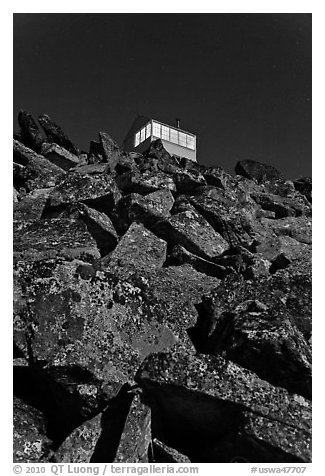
pixel 176 141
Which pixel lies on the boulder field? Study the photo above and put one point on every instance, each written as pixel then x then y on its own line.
pixel 162 308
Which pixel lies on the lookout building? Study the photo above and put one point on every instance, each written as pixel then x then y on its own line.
pixel 176 141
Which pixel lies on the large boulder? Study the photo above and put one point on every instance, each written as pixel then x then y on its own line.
pixel 214 410
pixel 98 191
pixel 33 170
pixel 46 239
pixel 60 156
pixel 138 250
pixel 193 232
pixel 29 131
pixel 110 148
pixel 145 209
pixel 55 134
pixel 256 170
pixel 135 182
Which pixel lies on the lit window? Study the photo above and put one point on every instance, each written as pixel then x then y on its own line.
pixel 174 136
pixel 148 130
pixel 137 139
pixel 190 142
pixel 165 132
pixel 156 129
pixel 182 139
pixel 143 134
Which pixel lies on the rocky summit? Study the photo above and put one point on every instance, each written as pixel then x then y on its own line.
pixel 162 308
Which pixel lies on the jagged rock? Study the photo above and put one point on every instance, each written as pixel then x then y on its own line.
pixel 283 188
pixel 162 453
pixel 110 149
pixel 190 165
pixel 147 182
pixel 147 210
pixel 30 134
pixel 242 261
pixel 285 247
pixel 80 321
pixel 256 170
pixel 36 240
pixel 173 293
pixel 136 435
pixel 30 443
pixel 304 186
pixel 282 206
pixel 187 181
pixel 100 227
pixel 193 232
pixel 33 171
pixel 162 159
pixel 80 444
pixel 139 249
pixel 267 342
pixel 31 206
pixel 98 191
pixel 55 134
pixel 125 163
pixel 59 156
pixel 215 176
pixel 203 405
pixel 226 218
pixel 180 255
pixel 298 228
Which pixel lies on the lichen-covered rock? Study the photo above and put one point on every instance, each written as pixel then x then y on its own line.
pixel 282 206
pixel 147 210
pixel 199 402
pixel 162 453
pixel 180 255
pixel 70 316
pixel 55 134
pixel 304 186
pixel 59 156
pixel 226 217
pixel 256 170
pixel 193 232
pixel 79 446
pixel 100 227
pixel 131 182
pixel 136 435
pixel 282 250
pixel 110 148
pixel 97 191
pixel 264 340
pixel 38 171
pixel 139 249
pixel 31 206
pixel 30 443
pixel 298 228
pixel 41 239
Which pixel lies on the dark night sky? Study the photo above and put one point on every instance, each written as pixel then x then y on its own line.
pixel 241 82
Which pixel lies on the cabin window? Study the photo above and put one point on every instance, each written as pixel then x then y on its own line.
pixel 156 129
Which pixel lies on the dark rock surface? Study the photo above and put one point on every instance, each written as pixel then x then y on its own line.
pixel 162 309
pixel 55 134
pixel 255 170
pixel 30 133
